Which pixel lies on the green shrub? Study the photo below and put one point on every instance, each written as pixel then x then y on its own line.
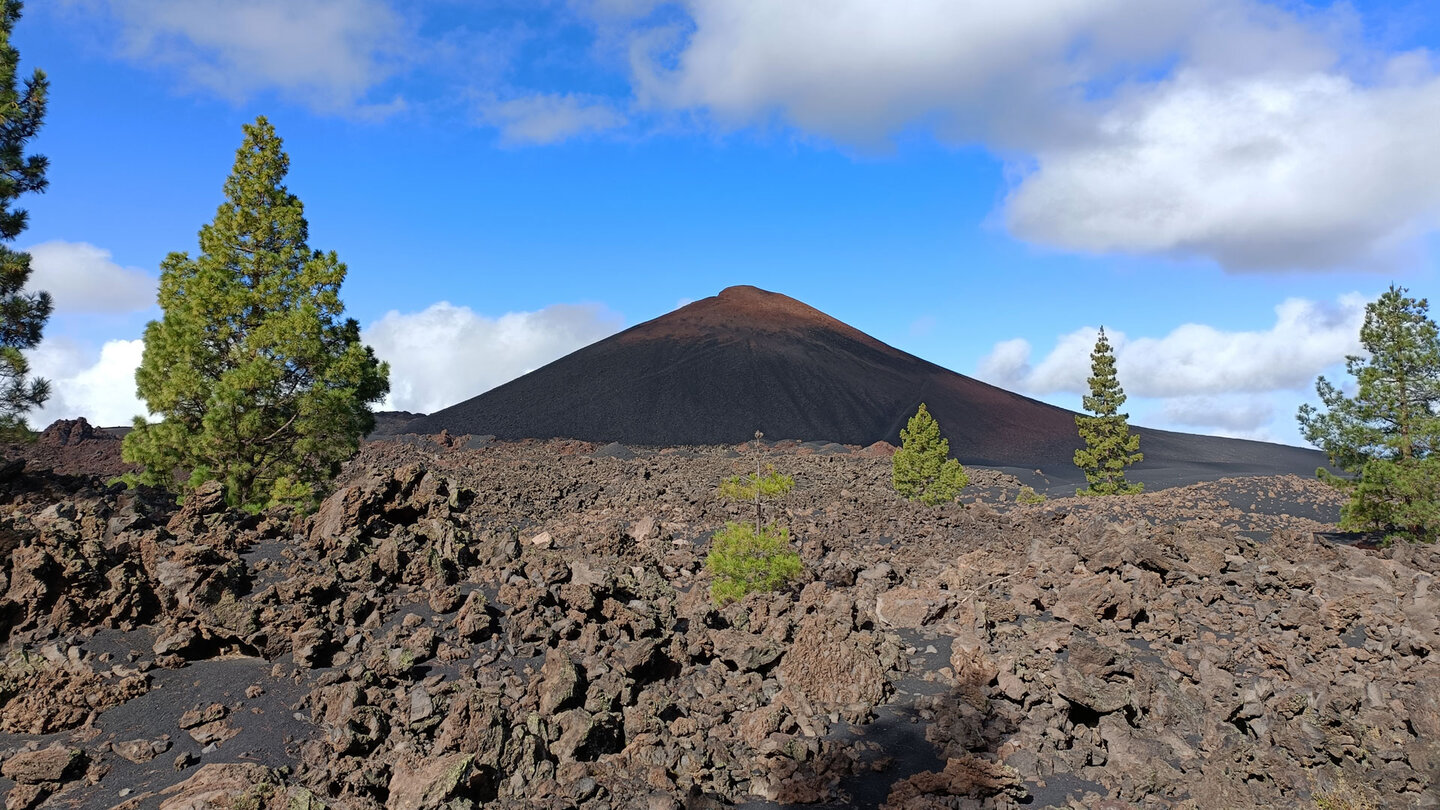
pixel 1028 495
pixel 745 558
pixel 743 561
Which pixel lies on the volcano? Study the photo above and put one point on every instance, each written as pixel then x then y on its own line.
pixel 717 370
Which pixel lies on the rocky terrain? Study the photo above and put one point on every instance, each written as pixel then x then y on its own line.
pixel 470 623
pixel 71 447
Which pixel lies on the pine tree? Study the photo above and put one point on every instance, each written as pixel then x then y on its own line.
pixel 742 558
pixel 261 385
pixel 1110 447
pixel 922 468
pixel 1387 436
pixel 22 315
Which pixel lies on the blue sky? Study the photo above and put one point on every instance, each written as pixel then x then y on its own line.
pixel 1221 183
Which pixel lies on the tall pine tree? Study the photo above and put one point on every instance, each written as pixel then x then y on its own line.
pixel 22 315
pixel 1387 436
pixel 261 385
pixel 1110 447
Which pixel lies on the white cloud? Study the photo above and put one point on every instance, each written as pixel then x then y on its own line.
pixel 101 389
pixel 446 354
pixel 1241 415
pixel 1245 384
pixel 1261 136
pixel 1008 364
pixel 1259 172
pixel 439 356
pixel 327 53
pixel 1065 368
pixel 84 278
pixel 858 71
pixel 1307 338
pixel 545 118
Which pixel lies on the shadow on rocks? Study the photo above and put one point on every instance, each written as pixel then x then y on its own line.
pixel 933 744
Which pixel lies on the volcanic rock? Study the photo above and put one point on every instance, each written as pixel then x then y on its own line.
pixel 67 432
pixel 68 446
pixel 54 764
pixel 963 776
pixel 1179 648
pixel 834 667
pixel 910 607
pixel 426 784
pixel 140 751
pixel 218 785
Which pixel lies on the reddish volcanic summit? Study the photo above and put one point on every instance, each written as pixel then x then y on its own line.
pixel 742 313
pixel 717 370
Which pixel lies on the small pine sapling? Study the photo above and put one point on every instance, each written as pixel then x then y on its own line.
pixel 922 468
pixel 744 561
pixel 744 558
pixel 757 486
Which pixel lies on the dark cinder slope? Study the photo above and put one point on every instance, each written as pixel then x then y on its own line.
pixel 719 369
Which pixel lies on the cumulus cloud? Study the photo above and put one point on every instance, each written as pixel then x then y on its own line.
pixel 446 354
pixel 1243 416
pixel 1007 364
pixel 857 71
pixel 1194 359
pixel 1260 136
pixel 544 118
pixel 1258 172
pixel 1065 368
pixel 439 356
pixel 83 278
pixel 99 387
pixel 327 53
